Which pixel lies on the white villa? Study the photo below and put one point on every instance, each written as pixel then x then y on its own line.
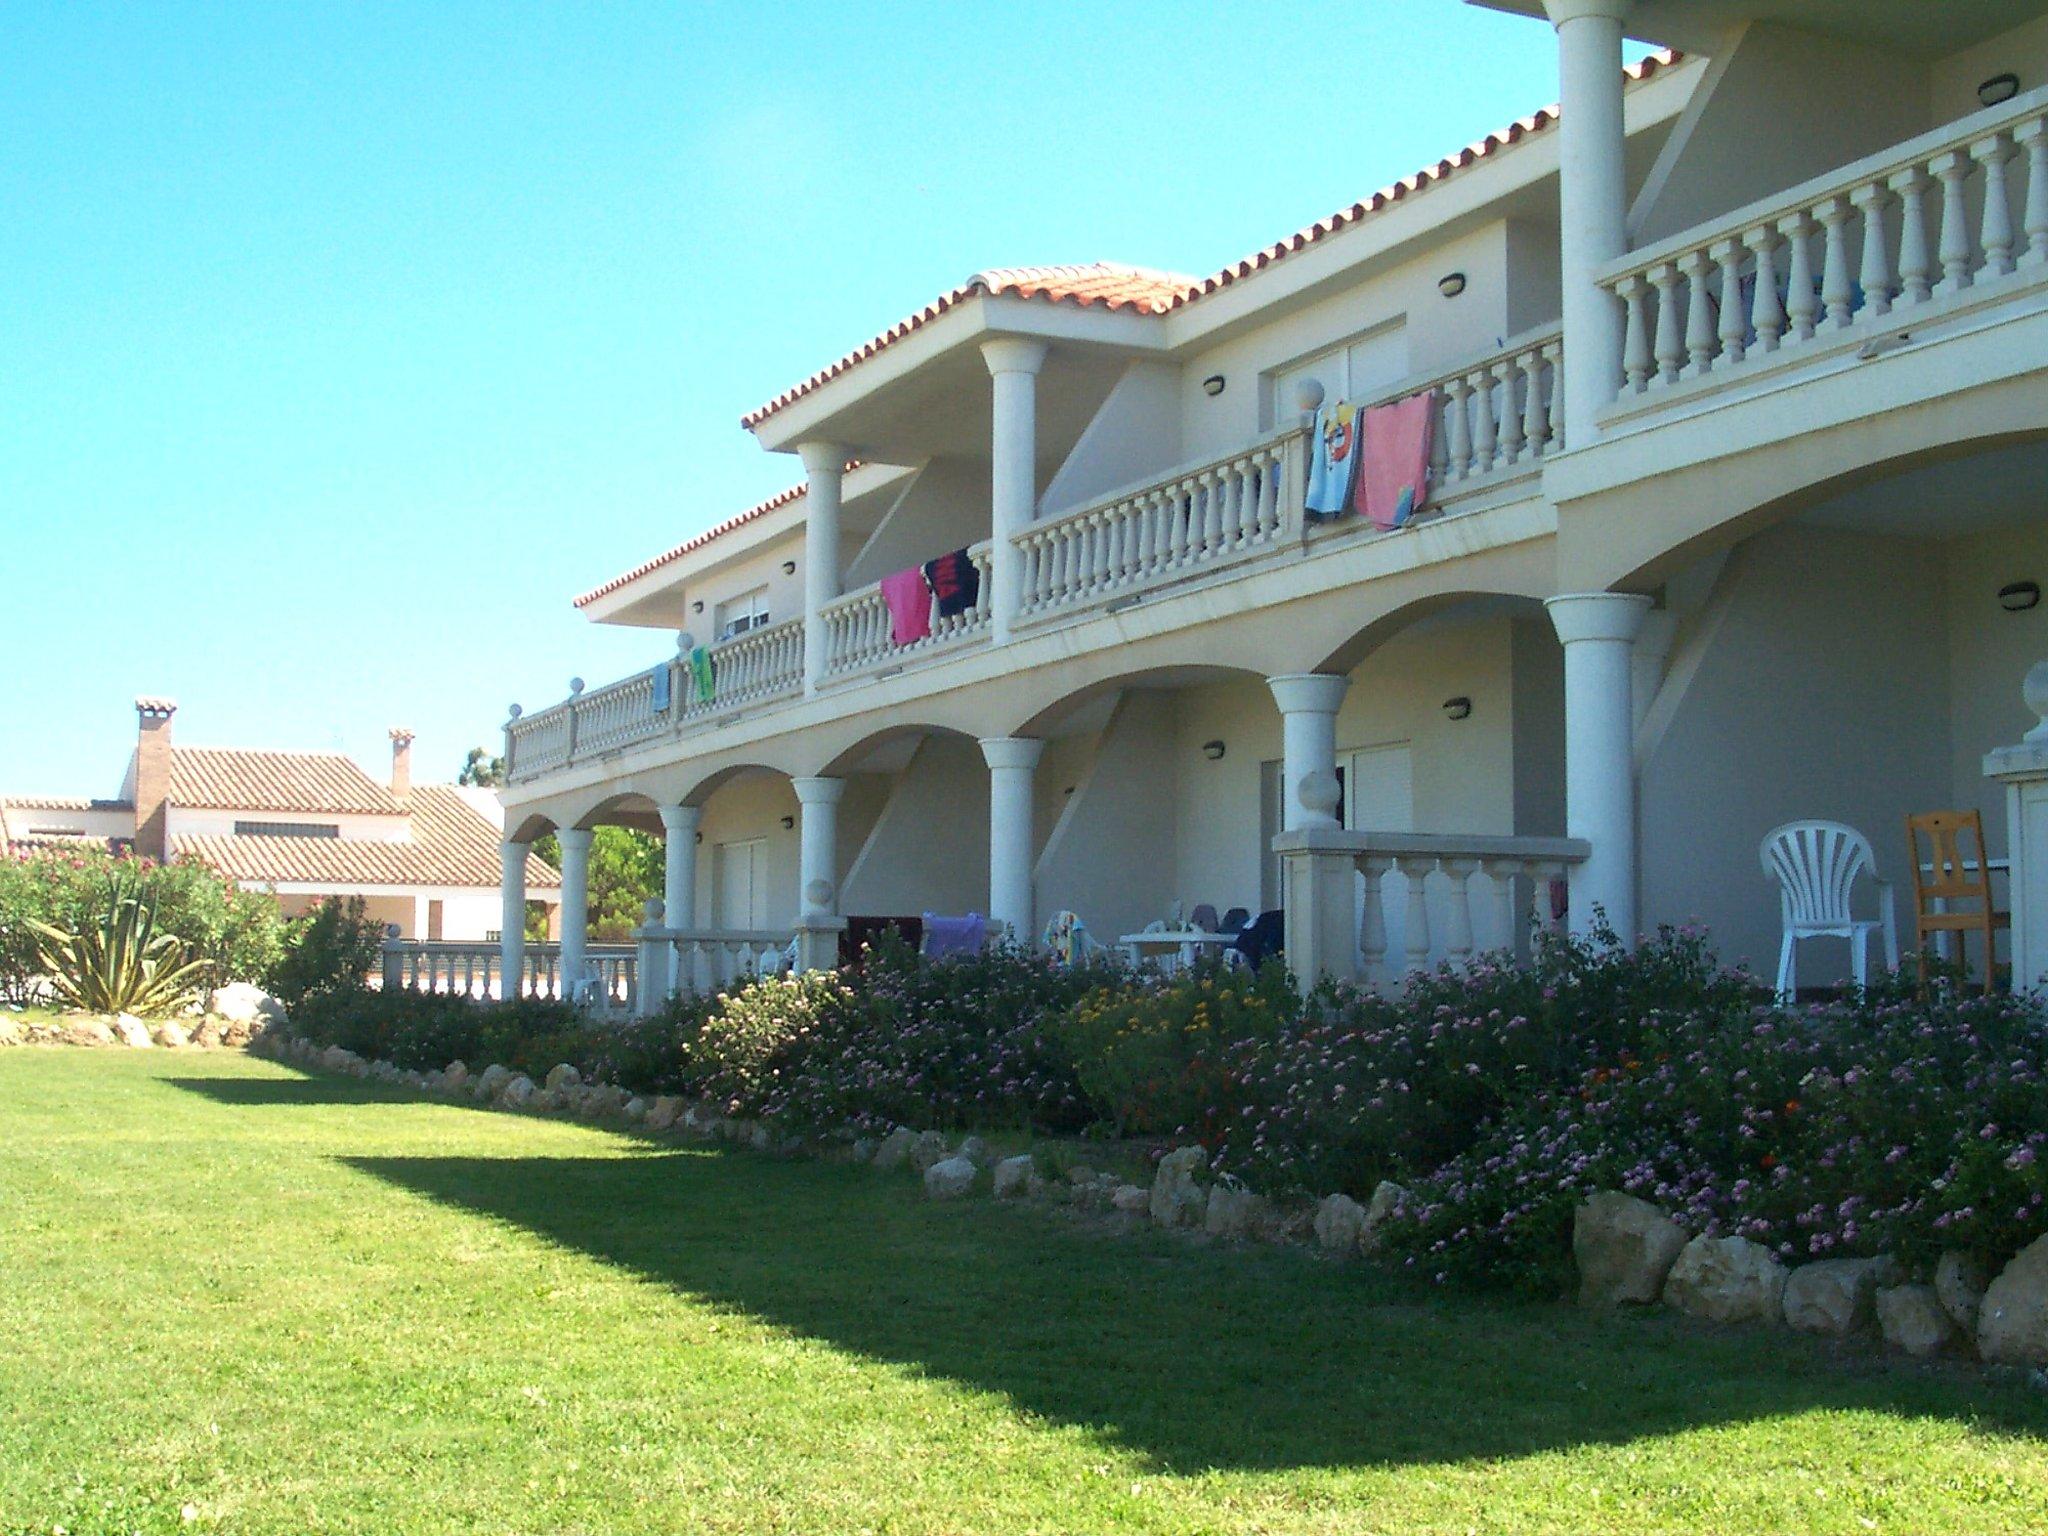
pixel 302 825
pixel 1736 364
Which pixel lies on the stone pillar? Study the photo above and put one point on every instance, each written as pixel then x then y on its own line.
pixel 1011 845
pixel 1013 365
pixel 824 469
pixel 818 855
pixel 511 917
pixel 679 864
pixel 1319 895
pixel 575 843
pixel 1598 630
pixel 1592 201
pixel 2023 769
pixel 1309 792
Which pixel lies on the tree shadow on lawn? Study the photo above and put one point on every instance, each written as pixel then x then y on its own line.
pixel 1198 1358
pixel 304 1092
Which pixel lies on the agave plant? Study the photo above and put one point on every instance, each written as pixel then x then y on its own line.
pixel 122 965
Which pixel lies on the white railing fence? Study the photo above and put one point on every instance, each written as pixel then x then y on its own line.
pixel 761 664
pixel 1867 248
pixel 1503 411
pixel 458 969
pixel 1197 517
pixel 705 960
pixel 1375 907
pixel 858 631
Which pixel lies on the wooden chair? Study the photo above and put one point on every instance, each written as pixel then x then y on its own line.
pixel 1952 873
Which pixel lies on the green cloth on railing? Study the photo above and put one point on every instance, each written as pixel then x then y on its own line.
pixel 703 675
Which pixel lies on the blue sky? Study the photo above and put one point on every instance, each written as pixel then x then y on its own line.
pixel 341 345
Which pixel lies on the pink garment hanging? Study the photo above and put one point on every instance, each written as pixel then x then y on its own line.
pixel 910 605
pixel 1393 474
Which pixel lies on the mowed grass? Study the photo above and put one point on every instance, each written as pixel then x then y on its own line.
pixel 236 1298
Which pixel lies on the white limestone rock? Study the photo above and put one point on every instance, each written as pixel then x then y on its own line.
pixel 518 1093
pixel 562 1075
pixel 1176 1199
pixel 1379 1210
pixel 1727 1280
pixel 949 1178
pixel 1959 1282
pixel 1233 1211
pixel 172 1036
pixel 662 1113
pixel 975 1150
pixel 11 1032
pixel 455 1075
pixel 928 1150
pixel 1913 1319
pixel 242 1002
pixel 1013 1176
pixel 1625 1248
pixel 1836 1296
pixel 338 1058
pixel 1131 1199
pixel 1340 1220
pixel 491 1080
pixel 132 1032
pixel 634 1108
pixel 2012 1326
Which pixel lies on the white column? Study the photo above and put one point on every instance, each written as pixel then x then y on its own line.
pixel 679 865
pixel 1598 630
pixel 1592 201
pixel 1309 792
pixel 818 855
pixel 511 917
pixel 575 843
pixel 824 469
pixel 2023 769
pixel 1013 365
pixel 1011 845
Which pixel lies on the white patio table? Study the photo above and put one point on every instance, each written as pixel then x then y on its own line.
pixel 1173 947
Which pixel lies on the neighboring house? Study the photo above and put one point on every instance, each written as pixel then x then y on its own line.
pixel 1737 369
pixel 304 825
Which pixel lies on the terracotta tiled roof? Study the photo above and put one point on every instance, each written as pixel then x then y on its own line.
pixel 247 779
pixel 1157 293
pixel 781 498
pixel 452 844
pixel 61 803
pixel 1110 284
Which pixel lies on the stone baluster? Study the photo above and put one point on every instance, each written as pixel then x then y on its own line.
pixel 1440 442
pixel 1670 344
pixel 1416 949
pixel 1509 448
pixel 1995 223
pixel 1458 914
pixel 1553 354
pixel 1951 169
pixel 1503 872
pixel 1801 295
pixel 1535 416
pixel 1699 326
pixel 1459 425
pixel 1875 275
pixel 1916 266
pixel 1372 928
pixel 1484 437
pixel 1727 255
pixel 1636 358
pixel 1835 292
pixel 1766 313
pixel 2031 137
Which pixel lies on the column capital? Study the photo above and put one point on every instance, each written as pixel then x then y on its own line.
pixel 815 791
pixel 1314 693
pixel 1001 752
pixel 1597 615
pixel 1562 11
pixel 678 819
pixel 573 838
pixel 822 458
pixel 1013 354
pixel 512 847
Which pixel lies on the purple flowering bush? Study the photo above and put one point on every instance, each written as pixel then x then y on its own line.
pixel 1357 1087
pixel 1879 1124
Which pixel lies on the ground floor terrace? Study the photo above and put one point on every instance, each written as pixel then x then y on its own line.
pixel 1514 753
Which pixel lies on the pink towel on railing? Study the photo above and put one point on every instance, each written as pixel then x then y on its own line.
pixel 910 605
pixel 1393 473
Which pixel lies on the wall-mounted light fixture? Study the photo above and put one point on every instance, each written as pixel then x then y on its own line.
pixel 700 837
pixel 789 567
pixel 1451 284
pixel 1213 385
pixel 1212 750
pixel 1458 708
pixel 697 606
pixel 1068 790
pixel 1998 88
pixel 2019 596
pixel 788 822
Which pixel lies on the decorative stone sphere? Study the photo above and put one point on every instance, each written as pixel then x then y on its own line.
pixel 819 894
pixel 2036 690
pixel 1308 396
pixel 575 686
pixel 685 642
pixel 515 712
pixel 1320 793
pixel 652 911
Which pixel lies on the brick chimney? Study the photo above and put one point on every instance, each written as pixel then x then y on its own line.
pixel 401 764
pixel 153 776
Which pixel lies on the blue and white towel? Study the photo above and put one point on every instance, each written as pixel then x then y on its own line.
pixel 1332 460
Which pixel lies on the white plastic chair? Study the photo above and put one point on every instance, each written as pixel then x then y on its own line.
pixel 1816 864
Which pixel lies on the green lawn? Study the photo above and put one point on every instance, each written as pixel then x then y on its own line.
pixel 298 1304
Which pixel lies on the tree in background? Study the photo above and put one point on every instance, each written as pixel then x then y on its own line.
pixel 482 770
pixel 625 874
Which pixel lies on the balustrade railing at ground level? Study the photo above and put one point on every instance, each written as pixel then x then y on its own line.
pixel 454 968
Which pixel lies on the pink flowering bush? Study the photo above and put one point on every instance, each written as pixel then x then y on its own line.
pixel 1880 1124
pixel 1358 1087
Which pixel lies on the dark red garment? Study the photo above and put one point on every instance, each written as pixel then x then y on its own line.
pixel 954 582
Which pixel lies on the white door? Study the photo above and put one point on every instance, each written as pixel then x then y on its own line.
pixel 742 897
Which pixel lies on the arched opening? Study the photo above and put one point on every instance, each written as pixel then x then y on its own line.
pixel 746 843
pixel 1847 653
pixel 912 828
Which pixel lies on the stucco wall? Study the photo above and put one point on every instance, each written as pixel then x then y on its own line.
pixel 927 848
pixel 746 807
pixel 1989 653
